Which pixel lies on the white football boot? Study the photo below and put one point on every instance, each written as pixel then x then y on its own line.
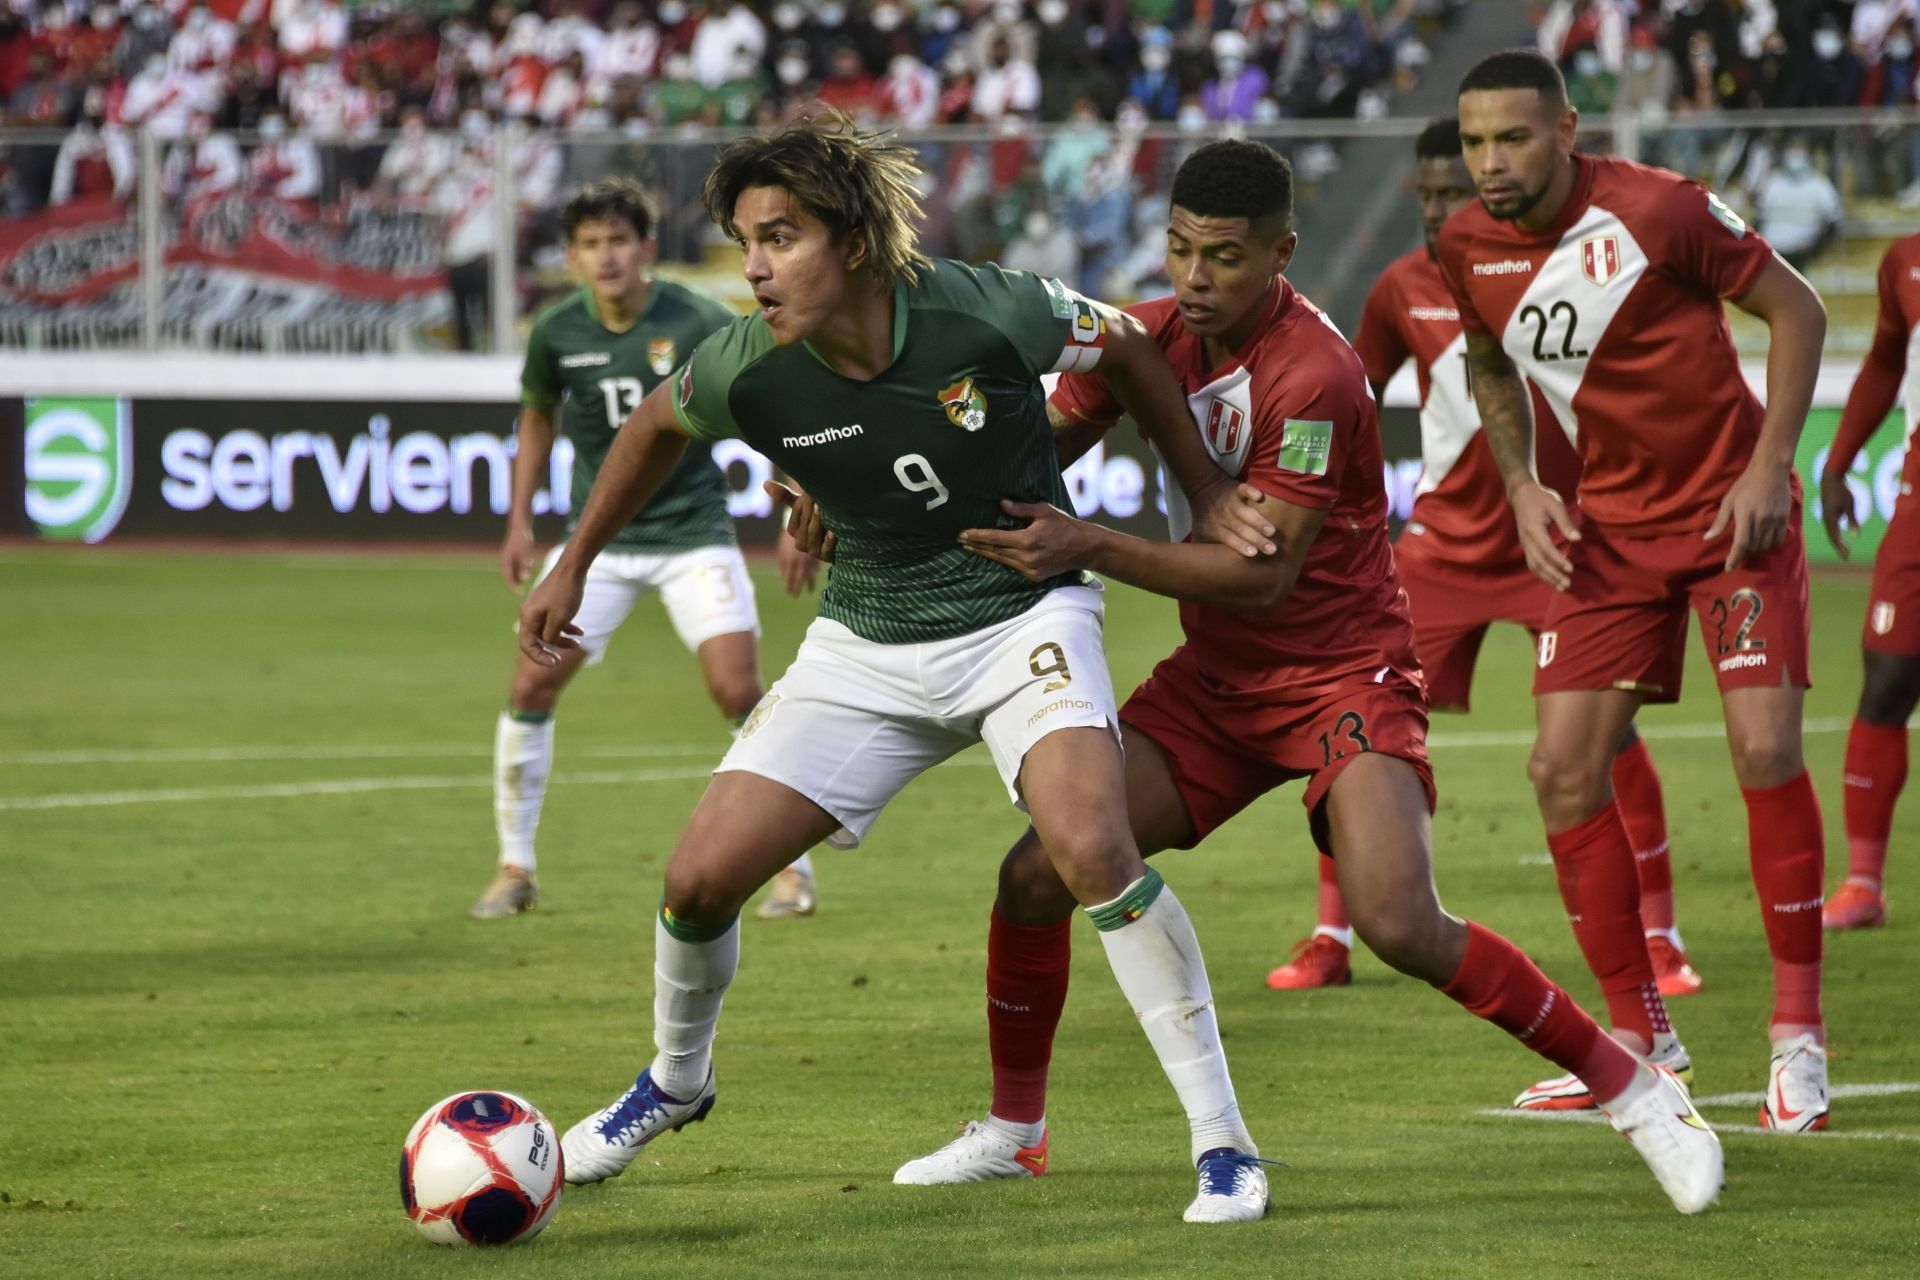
pixel 1233 1187
pixel 1570 1093
pixel 1676 1143
pixel 1796 1100
pixel 981 1152
pixel 605 1143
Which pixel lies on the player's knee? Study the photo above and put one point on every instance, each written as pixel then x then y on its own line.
pixel 1766 755
pixel 1890 689
pixel 1096 861
pixel 694 892
pixel 1567 784
pixel 1030 890
pixel 1404 933
pixel 535 688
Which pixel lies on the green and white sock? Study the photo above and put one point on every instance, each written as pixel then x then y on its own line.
pixel 522 759
pixel 1156 958
pixel 693 965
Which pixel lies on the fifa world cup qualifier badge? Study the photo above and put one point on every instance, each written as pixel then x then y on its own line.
pixel 965 404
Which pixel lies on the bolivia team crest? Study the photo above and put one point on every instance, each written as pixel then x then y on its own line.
pixel 1224 425
pixel 661 355
pixel 1600 258
pixel 966 406
pixel 761 714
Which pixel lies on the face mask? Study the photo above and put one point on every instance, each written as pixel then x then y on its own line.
pixel 197 19
pixel 1586 64
pixel 788 16
pixel 1827 44
pixel 1229 66
pixel 946 19
pixel 200 129
pixel 1192 119
pixel 413 127
pixel 273 127
pixel 791 70
pixel 886 18
pixel 673 13
pixel 1796 162
pixel 1155 58
pixel 475 124
pixel 1006 13
pixel 741 66
pixel 1038 226
pixel 634 127
pixel 157 65
pixel 1131 118
pixel 957 63
pixel 1053 12
pixel 901 68
pixel 54 19
pixel 1327 17
pixel 1266 111
pixel 832 15
pixel 1899 48
pixel 678 67
pixel 104 18
pixel 1641 60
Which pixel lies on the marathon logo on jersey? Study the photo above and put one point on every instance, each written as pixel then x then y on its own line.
pixel 1305 447
pixel 1741 661
pixel 1449 315
pixel 826 435
pixel 1504 267
pixel 966 405
pixel 662 355
pixel 1600 258
pixel 1224 425
pixel 1549 645
pixel 1881 619
pixel 585 360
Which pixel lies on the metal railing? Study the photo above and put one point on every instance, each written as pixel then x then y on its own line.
pixel 230 245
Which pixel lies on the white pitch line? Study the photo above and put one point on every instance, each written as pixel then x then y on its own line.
pixel 446 751
pixel 332 787
pixel 1836 1091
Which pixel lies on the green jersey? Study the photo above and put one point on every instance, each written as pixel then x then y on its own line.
pixel 601 375
pixel 901 464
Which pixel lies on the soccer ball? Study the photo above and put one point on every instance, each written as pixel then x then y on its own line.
pixel 480 1168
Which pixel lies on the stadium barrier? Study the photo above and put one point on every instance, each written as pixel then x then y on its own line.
pixel 419 449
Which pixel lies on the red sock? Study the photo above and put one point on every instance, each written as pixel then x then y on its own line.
pixel 1601 891
pixel 1333 908
pixel 1876 769
pixel 1785 845
pixel 1636 789
pixel 1026 990
pixel 1497 982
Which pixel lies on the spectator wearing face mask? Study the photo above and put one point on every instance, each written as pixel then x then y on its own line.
pixel 416 162
pixel 90 52
pixel 1648 83
pixel 793 72
pixel 160 100
pixel 1591 88
pixel 940 32
pixel 1043 247
pixel 1155 86
pixel 286 164
pixel 631 50
pixel 909 93
pixel 1006 22
pixel 311 30
pixel 678 97
pixel 1799 209
pixel 1338 63
pixel 1834 74
pixel 95 160
pixel 207 163
pixel 146 32
pixel 739 96
pixel 1006 86
pixel 464 200
pixel 728 26
pixel 848 88
pixel 1237 86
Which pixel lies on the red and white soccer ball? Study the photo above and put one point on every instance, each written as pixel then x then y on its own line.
pixel 480 1168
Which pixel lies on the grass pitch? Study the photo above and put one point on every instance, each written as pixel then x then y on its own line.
pixel 246 804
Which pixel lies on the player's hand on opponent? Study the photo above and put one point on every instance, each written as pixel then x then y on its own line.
pixel 1052 543
pixel 516 557
pixel 1540 513
pixel 1758 507
pixel 805 542
pixel 1837 512
pixel 546 616
pixel 1227 513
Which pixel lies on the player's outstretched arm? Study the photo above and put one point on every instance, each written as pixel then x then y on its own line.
pixel 532 452
pixel 1071 436
pixel 805 542
pixel 1506 418
pixel 1203 572
pixel 1873 394
pixel 644 451
pixel 1137 371
pixel 1760 504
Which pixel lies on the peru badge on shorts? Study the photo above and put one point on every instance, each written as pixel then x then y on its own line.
pixel 1881 619
pixel 1599 261
pixel 1549 645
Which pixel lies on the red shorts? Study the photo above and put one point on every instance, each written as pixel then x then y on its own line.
pixel 1228 747
pixel 1623 623
pixel 1453 605
pixel 1893 608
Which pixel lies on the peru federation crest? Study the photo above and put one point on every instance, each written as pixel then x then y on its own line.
pixel 662 356
pixel 1881 619
pixel 1225 422
pixel 1549 647
pixel 965 404
pixel 1600 258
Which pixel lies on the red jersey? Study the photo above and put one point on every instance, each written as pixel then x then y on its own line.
pixel 1614 312
pixel 1461 501
pixel 1896 348
pixel 1291 414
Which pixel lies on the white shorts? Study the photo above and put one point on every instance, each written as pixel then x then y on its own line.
pixel 707 593
pixel 852 722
